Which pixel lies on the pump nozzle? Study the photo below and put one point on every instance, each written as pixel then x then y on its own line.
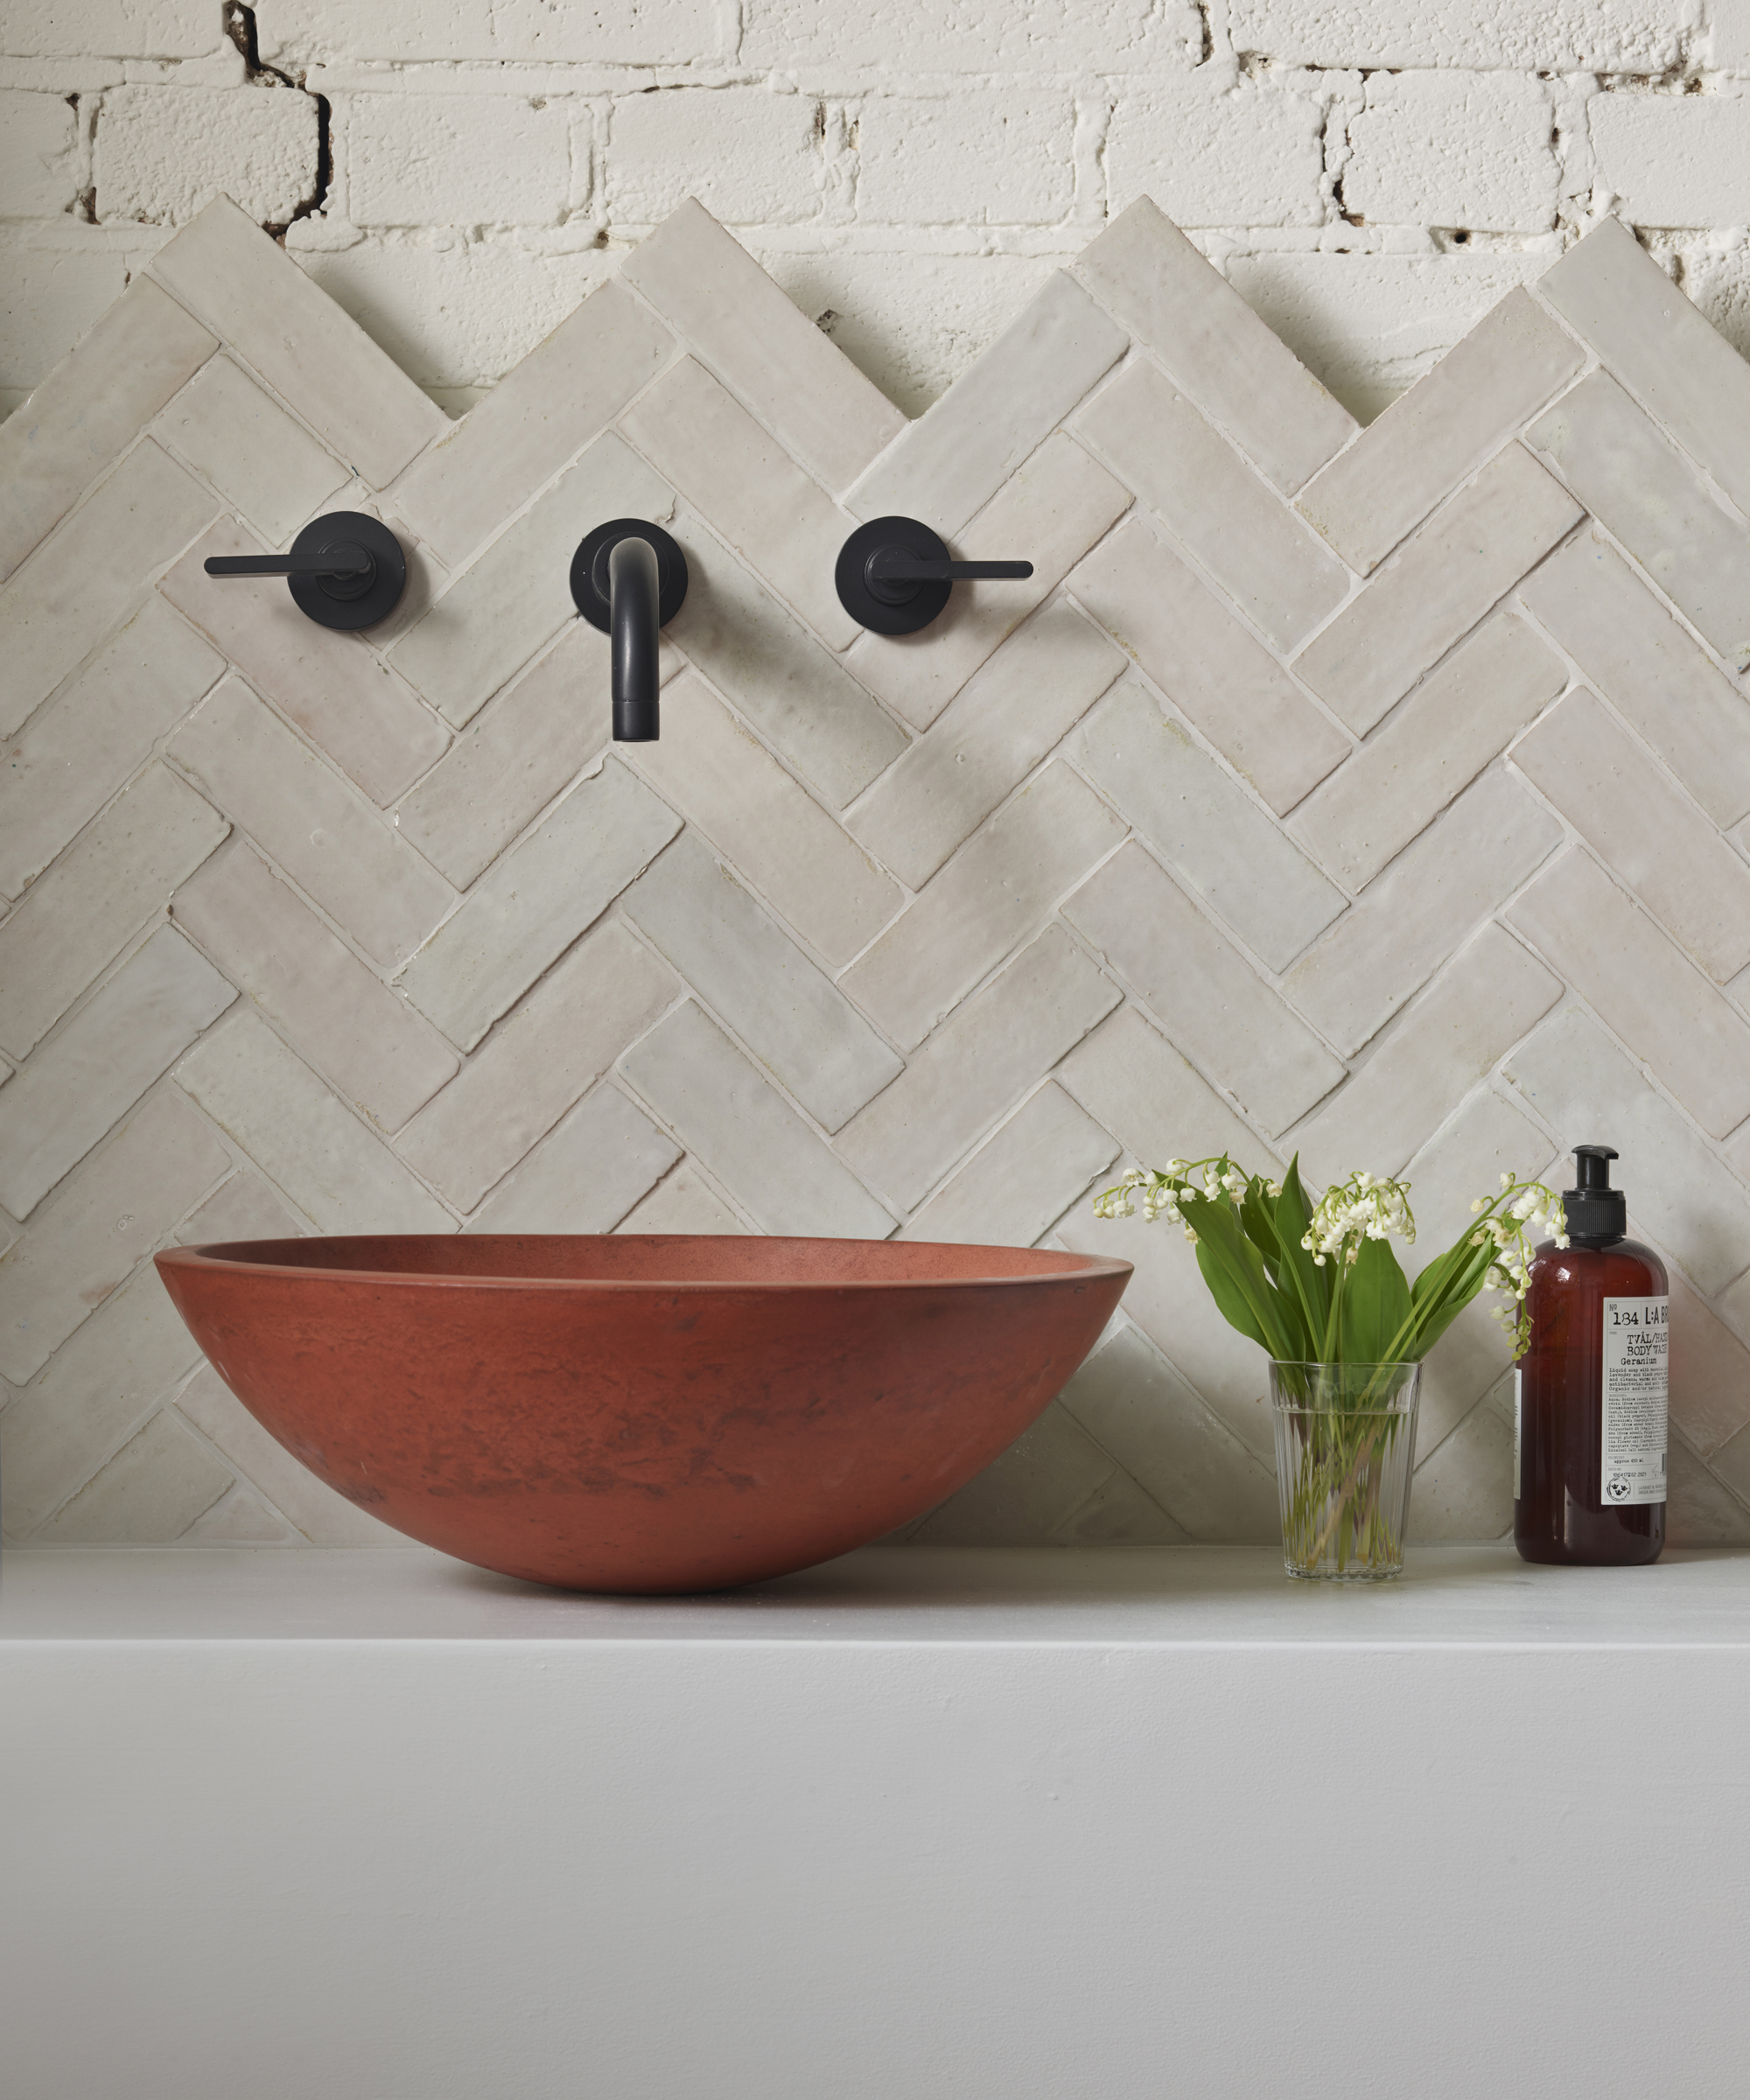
pixel 1597 1212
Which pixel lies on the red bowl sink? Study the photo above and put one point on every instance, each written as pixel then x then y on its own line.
pixel 642 1413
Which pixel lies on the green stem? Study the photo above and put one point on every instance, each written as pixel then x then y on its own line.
pixel 1332 1325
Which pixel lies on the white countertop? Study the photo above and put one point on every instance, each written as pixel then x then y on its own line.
pixel 1006 1825
pixel 1472 1596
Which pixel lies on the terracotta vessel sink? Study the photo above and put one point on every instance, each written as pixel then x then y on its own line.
pixel 641 1414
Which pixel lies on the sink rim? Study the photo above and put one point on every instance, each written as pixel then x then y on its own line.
pixel 223 1256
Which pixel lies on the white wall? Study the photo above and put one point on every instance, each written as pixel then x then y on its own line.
pixel 1373 174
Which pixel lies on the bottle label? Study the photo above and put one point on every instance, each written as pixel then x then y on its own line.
pixel 1637 1337
pixel 1518 1424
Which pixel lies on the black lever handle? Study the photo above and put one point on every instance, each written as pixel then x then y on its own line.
pixel 894 565
pixel 342 562
pixel 346 570
pixel 894 574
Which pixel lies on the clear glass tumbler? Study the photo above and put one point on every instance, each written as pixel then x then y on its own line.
pixel 1345 1449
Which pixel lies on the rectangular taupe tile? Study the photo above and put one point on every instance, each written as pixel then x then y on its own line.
pixel 1446 427
pixel 567 390
pixel 762 346
pixel 1463 715
pixel 745 1133
pixel 1014 1188
pixel 109 1213
pixel 1422 908
pixel 742 964
pixel 990 736
pixel 151 1491
pixel 1493 994
pixel 797 694
pixel 58 605
pixel 343 1020
pixel 783 524
pixel 1576 1079
pixel 328 1160
pixel 1215 505
pixel 536 902
pixel 88 412
pixel 1214 1005
pixel 336 690
pixel 514 758
pixel 76 918
pixel 257 299
pixel 817 880
pixel 1049 512
pixel 1464 1488
pixel 1437 585
pixel 330 841
pixel 1612 292
pixel 1705 1502
pixel 244 1207
pixel 1643 985
pixel 1209 666
pixel 555 1045
pixel 517 594
pixel 1022 1498
pixel 983 904
pixel 1649 668
pixel 1710 1373
pixel 1636 483
pixel 977 1066
pixel 1212 345
pixel 1221 846
pixel 1133 1401
pixel 956 457
pixel 75 1088
pixel 104 1381
pixel 262 461
pixel 1635 819
pixel 684 1202
pixel 585 1174
pixel 66 765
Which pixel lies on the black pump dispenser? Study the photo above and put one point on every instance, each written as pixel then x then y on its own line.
pixel 1598 1214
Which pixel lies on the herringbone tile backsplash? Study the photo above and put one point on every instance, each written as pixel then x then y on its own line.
pixel 1376 794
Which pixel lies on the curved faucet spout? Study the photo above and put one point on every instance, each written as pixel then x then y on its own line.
pixel 629 579
pixel 632 596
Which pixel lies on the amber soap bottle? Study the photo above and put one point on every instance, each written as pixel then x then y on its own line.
pixel 1591 1391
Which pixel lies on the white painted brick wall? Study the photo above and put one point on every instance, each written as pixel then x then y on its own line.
pixel 420 160
pixel 163 152
pixel 1372 174
pixel 1453 149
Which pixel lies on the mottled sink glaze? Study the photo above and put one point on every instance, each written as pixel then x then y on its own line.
pixel 641 1413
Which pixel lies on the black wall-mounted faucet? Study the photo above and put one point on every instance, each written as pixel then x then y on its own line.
pixel 629 579
pixel 894 574
pixel 346 570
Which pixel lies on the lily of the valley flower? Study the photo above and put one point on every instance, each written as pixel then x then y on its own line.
pixel 1495 1253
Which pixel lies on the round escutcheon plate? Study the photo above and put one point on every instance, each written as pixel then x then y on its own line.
pixel 589 569
pixel 890 608
pixel 349 602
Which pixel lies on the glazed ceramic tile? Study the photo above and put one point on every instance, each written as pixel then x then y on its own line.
pixel 928 935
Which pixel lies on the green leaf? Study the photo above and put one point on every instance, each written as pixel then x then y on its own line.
pixel 1300 1278
pixel 1234 1270
pixel 1445 1287
pixel 1376 1305
pixel 1230 1301
pixel 1259 1225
